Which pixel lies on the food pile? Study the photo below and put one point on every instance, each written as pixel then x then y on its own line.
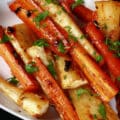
pixel 64 55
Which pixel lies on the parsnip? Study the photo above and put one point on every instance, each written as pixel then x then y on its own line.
pixel 64 20
pixel 69 79
pixel 87 105
pixel 32 103
pixel 108 14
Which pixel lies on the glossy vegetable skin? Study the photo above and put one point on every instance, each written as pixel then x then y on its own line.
pixel 44 29
pixel 79 10
pixel 54 92
pixel 26 80
pixel 98 40
pixel 99 81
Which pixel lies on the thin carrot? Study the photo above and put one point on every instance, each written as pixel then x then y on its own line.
pixel 97 38
pixel 99 81
pixel 54 92
pixel 27 81
pixel 44 28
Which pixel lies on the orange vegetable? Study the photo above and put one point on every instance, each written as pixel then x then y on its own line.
pixel 80 11
pixel 27 81
pixel 54 92
pixel 44 28
pixel 99 81
pixel 97 38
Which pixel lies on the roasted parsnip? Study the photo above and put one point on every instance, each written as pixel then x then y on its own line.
pixel 108 17
pixel 34 104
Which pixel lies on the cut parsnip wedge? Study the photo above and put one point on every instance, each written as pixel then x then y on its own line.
pixel 57 13
pixel 108 14
pixel 32 103
pixel 68 78
pixel 89 106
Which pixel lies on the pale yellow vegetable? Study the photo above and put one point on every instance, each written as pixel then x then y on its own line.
pixel 88 105
pixel 69 79
pixel 32 103
pixel 57 13
pixel 108 13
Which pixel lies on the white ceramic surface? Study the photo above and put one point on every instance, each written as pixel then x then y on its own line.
pixel 7 18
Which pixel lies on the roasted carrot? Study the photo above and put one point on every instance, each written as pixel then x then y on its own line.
pixel 7 52
pixel 97 38
pixel 54 92
pixel 41 24
pixel 99 81
pixel 79 10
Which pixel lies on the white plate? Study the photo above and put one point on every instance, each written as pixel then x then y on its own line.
pixel 7 18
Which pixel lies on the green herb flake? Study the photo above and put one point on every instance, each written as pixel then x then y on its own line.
pixel 5 39
pixel 105 27
pixel 40 17
pixel 51 68
pixel 95 117
pixel 113 46
pixel 98 58
pixel 41 43
pixel 68 28
pixel 31 68
pixel 76 3
pixel 118 78
pixel 13 80
pixel 61 47
pixel 102 111
pixel 48 1
pixel 82 36
pixel 65 77
pixel 82 91
pixel 73 37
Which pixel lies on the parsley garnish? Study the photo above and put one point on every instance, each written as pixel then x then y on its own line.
pixel 82 91
pixel 114 46
pixel 118 78
pixel 102 111
pixel 98 58
pixel 41 43
pixel 31 68
pixel 13 80
pixel 5 39
pixel 61 47
pixel 76 3
pixel 40 17
pixel 52 1
pixel 51 68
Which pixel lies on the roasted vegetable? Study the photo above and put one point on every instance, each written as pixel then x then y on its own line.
pixel 108 18
pixel 34 104
pixel 89 106
pixel 7 52
pixel 99 80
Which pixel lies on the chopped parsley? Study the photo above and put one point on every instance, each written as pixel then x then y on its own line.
pixel 52 1
pixel 71 36
pixel 95 117
pixel 82 91
pixel 41 43
pixel 82 36
pixel 98 58
pixel 51 68
pixel 102 111
pixel 5 39
pixel 113 46
pixel 118 78
pixel 13 80
pixel 76 3
pixel 31 68
pixel 40 17
pixel 61 47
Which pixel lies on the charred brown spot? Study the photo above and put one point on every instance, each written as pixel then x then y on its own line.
pixel 67 65
pixel 10 30
pixel 18 10
pixel 29 13
pixel 96 24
